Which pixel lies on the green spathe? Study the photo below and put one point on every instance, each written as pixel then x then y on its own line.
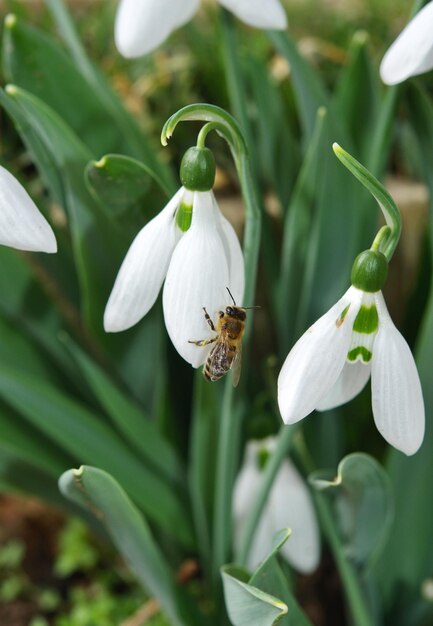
pixel 369 271
pixel 197 170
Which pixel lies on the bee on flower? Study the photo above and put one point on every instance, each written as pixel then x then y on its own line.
pixel 356 340
pixel 142 25
pixel 193 248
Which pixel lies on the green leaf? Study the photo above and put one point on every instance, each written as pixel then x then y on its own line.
pixel 137 428
pixel 97 491
pixel 363 504
pixel 139 146
pixel 406 563
pixel 251 599
pixel 97 244
pixel 357 97
pixel 35 62
pixel 298 224
pixel 126 189
pixel 86 437
pixel 270 578
pixel 247 605
pixel 310 92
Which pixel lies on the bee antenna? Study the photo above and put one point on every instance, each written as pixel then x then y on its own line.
pixel 251 307
pixel 231 296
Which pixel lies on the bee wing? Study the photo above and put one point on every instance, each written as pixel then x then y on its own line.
pixel 218 362
pixel 236 367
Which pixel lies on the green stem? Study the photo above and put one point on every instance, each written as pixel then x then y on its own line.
pixel 352 588
pixel 381 238
pixel 272 466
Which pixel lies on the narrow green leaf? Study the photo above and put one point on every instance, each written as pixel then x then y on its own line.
pixel 298 225
pixel 137 428
pixel 363 504
pixel 310 92
pixel 98 246
pixel 85 436
pixel 138 144
pixel 98 492
pixel 357 97
pixel 34 61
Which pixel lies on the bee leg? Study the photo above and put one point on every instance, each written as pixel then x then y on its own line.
pixel 203 342
pixel 208 319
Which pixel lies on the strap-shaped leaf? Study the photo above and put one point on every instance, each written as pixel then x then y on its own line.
pixel 364 505
pixel 99 493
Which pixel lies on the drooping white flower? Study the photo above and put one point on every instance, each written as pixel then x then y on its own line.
pixel 412 52
pixel 22 225
pixel 198 265
pixel 332 362
pixel 289 505
pixel 142 25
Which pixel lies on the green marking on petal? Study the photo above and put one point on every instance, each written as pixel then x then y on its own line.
pixel 262 458
pixel 343 314
pixel 360 351
pixel 184 217
pixel 367 320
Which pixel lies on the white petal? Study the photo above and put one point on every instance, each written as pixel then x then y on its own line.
pixel 258 13
pixel 291 506
pixel 197 277
pixel 398 405
pixel 351 381
pixel 142 25
pixel 235 258
pixel 22 225
pixel 315 362
pixel 244 493
pixel 143 270
pixel 412 52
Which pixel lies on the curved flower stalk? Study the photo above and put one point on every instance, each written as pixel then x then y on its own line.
pixel 142 25
pixel 412 52
pixel 289 504
pixel 191 246
pixel 333 361
pixel 22 225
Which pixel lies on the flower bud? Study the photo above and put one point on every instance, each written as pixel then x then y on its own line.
pixel 369 271
pixel 197 170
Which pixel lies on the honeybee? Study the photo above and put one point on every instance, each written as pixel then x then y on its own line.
pixel 227 351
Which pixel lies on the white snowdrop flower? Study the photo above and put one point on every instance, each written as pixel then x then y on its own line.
pixel 191 246
pixel 22 225
pixel 332 362
pixel 412 52
pixel 289 504
pixel 142 25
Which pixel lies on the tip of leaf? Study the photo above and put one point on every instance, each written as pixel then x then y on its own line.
pixel 337 148
pixel 10 20
pixel 11 90
pixel 78 472
pixel 360 37
pixel 322 112
pixel 101 163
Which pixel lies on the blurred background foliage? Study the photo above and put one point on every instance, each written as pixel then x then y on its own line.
pixel 124 402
